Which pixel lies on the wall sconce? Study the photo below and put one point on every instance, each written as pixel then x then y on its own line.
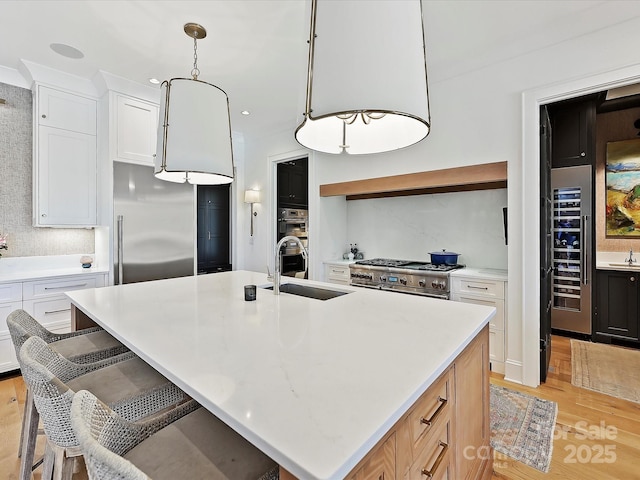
pixel 194 132
pixel 252 196
pixel 376 50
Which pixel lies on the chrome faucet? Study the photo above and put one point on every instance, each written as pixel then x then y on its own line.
pixel 278 256
pixel 630 260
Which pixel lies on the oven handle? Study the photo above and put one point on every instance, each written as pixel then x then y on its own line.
pixel 293 220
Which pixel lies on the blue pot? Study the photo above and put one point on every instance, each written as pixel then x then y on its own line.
pixel 444 257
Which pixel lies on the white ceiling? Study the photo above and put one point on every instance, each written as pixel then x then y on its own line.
pixel 256 50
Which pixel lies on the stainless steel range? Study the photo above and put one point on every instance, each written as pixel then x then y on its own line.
pixel 406 276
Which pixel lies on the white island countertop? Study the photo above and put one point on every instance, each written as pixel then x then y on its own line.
pixel 313 384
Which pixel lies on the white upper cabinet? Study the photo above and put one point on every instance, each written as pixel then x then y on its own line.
pixel 67 111
pixel 65 159
pixel 136 130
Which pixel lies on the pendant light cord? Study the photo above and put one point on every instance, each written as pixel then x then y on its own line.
pixel 195 72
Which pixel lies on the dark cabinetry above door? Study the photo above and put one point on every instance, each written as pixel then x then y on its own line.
pixel 293 190
pixel 616 316
pixel 573 132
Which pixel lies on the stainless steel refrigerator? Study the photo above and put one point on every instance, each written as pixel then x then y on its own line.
pixel 154 226
pixel 572 249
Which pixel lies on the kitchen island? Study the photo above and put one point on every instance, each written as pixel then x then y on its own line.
pixel 362 383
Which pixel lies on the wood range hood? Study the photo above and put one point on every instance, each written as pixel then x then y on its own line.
pixel 459 179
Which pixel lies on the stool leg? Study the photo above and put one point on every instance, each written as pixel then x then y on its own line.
pixel 58 462
pixel 49 460
pixel 67 467
pixel 29 438
pixel 24 425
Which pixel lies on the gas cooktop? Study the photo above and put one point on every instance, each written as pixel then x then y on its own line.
pixel 408 264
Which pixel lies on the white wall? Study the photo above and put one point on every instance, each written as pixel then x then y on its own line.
pixel 477 118
pixel 468 223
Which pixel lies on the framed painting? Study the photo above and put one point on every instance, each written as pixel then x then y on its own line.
pixel 623 189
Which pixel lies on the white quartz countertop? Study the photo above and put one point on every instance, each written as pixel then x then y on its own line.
pixel 313 384
pixel 21 269
pixel 617 261
pixel 339 262
pixel 486 273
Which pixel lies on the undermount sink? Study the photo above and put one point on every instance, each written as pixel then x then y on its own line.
pixel 307 291
pixel 624 265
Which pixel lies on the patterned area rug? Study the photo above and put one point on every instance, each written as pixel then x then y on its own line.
pixel 606 369
pixel 522 426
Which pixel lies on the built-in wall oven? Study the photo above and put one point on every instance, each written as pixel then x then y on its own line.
pixel 293 221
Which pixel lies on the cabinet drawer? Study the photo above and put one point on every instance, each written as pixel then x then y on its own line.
pixel 43 288
pixel 430 412
pixel 488 288
pixel 49 310
pixel 338 272
pixel 11 292
pixel 497 322
pixel 434 461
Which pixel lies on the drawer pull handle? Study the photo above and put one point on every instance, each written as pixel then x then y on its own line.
pixel 66 286
pixel 57 311
pixel 429 473
pixel 478 288
pixel 430 421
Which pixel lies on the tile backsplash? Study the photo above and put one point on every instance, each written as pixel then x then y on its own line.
pixel 16 145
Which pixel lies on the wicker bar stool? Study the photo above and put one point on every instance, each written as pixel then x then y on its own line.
pixel 86 346
pixel 187 442
pixel 125 382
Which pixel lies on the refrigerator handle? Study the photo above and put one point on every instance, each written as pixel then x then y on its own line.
pixel 119 249
pixel 583 250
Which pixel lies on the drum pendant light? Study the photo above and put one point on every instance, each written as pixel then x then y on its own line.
pixel 367 77
pixel 194 132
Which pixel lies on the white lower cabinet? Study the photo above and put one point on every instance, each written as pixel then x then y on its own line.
pixel 337 272
pixel 10 300
pixel 43 299
pixel 489 289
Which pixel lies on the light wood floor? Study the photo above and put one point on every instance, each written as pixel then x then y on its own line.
pixel 597 436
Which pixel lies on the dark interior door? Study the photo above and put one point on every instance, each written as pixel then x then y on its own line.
pixel 546 242
pixel 213 228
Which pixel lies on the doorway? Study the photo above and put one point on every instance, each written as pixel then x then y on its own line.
pixel 292 180
pixel 524 271
pixel 214 251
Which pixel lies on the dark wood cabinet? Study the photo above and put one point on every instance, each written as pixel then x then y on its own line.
pixel 573 133
pixel 616 314
pixel 213 228
pixel 293 189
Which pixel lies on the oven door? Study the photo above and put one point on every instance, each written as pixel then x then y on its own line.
pixel 293 226
pixel 421 292
pixel 292 265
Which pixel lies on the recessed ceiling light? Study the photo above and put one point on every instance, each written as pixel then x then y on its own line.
pixel 155 81
pixel 66 50
pixel 245 112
